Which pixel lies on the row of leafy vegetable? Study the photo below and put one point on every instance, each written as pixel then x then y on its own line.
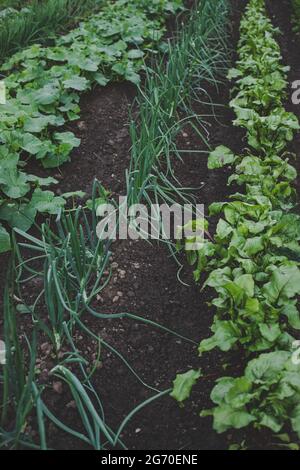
pixel 253 261
pixel 43 86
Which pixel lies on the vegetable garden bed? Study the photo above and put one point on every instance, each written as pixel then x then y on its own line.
pixel 142 359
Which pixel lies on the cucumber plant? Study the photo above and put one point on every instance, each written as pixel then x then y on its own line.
pixel 43 87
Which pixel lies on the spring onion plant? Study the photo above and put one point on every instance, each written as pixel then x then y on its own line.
pixel 67 265
pixel 16 377
pixel 197 58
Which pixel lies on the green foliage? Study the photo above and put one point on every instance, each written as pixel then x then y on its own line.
pixel 70 267
pixel 253 261
pixel 183 384
pixel 11 5
pixel 219 157
pixel 199 55
pixel 42 90
pixel 256 281
pixel 26 23
pixel 243 400
pixel 296 15
pixel 17 377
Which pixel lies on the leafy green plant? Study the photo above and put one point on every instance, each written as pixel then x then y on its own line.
pixel 242 401
pixel 43 86
pixel 246 261
pixel 184 383
pixel 256 282
pixel 253 261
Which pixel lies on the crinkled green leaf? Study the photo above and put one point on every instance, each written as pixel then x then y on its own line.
pixel 220 157
pixel 183 384
pixel 76 83
pixel 47 202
